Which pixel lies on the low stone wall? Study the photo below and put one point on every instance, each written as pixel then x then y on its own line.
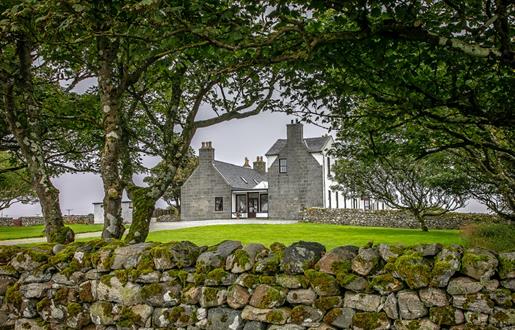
pixel 393 218
pixel 31 221
pixel 229 286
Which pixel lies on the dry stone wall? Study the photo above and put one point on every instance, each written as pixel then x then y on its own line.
pixel 233 286
pixel 31 221
pixel 393 218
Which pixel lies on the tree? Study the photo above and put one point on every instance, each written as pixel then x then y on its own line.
pixel 427 187
pixel 119 43
pixel 163 116
pixel 442 67
pixel 15 183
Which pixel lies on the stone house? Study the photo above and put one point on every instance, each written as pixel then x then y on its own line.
pixel 297 175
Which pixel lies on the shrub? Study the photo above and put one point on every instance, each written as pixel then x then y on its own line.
pixel 497 237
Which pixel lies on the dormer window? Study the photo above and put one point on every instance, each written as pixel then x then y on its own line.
pixel 283 165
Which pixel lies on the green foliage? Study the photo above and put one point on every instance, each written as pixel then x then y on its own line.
pixel 497 237
pixel 15 182
pixel 416 79
pixel 424 187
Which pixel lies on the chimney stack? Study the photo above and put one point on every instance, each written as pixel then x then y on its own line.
pixel 206 153
pixel 259 165
pixel 295 132
pixel 246 165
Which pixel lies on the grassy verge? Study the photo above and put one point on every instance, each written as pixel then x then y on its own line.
pixel 329 235
pixel 7 233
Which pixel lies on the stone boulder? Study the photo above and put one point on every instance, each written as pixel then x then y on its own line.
pixel 175 255
pixel 389 252
pixel 386 283
pixel 410 305
pixel 366 260
pixel 446 264
pixel 291 281
pixel 101 313
pixel 243 260
pixel 217 255
pixel 301 296
pixel 266 296
pixel 340 317
pixel 478 302
pixel 161 294
pixel 212 296
pixel 446 315
pixel 337 260
pixel 428 250
pixel 362 301
pixel 370 321
pixel 479 264
pixel 433 297
pixel 305 315
pixel 224 318
pixel 390 306
pixel 503 317
pixel 463 285
pixel 301 256
pixel 323 283
pixel 113 290
pixel 413 269
pixel 128 256
pixel 353 282
pixel 237 296
pixel 180 316
pixel 274 316
pixel 423 324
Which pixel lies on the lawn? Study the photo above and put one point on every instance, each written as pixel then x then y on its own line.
pixel 37 231
pixel 329 235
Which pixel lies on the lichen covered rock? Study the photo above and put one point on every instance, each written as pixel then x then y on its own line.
pixel 366 260
pixel 301 256
pixel 478 263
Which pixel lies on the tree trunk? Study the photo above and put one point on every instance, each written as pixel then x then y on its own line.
pixel 143 204
pixel 28 138
pixel 110 163
pixel 421 219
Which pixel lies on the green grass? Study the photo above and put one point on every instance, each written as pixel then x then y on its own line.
pixel 37 231
pixel 329 235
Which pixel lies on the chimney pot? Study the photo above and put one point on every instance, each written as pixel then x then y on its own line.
pixel 259 165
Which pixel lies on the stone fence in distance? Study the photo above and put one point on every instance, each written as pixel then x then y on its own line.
pixel 180 285
pixel 31 221
pixel 393 218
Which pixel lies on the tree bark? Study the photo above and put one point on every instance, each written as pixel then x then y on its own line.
pixel 110 163
pixel 143 204
pixel 23 125
pixel 421 219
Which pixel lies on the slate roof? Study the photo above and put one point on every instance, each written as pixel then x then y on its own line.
pixel 233 174
pixel 314 145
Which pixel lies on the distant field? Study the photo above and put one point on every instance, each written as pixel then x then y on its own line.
pixel 329 235
pixel 37 231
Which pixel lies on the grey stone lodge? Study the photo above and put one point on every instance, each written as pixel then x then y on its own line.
pixel 295 176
